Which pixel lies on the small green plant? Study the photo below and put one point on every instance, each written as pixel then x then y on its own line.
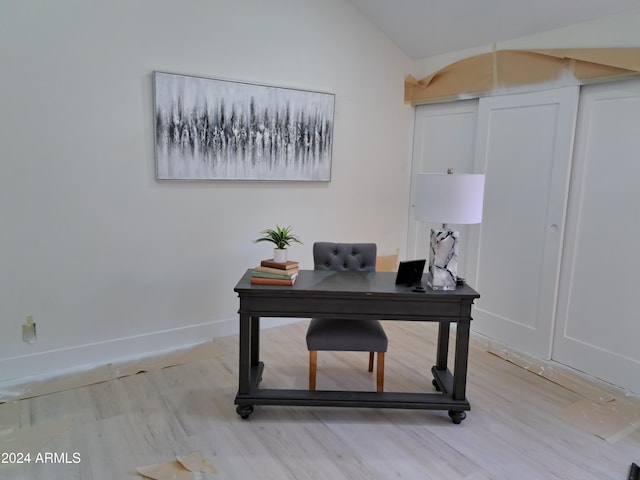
pixel 281 237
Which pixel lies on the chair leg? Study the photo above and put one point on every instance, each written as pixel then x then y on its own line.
pixel 371 361
pixel 380 373
pixel 313 366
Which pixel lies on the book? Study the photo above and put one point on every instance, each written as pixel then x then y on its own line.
pixel 281 276
pixel 272 281
pixel 288 265
pixel 277 271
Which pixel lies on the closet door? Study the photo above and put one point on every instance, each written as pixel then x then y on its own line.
pixel 598 326
pixel 444 136
pixel 524 146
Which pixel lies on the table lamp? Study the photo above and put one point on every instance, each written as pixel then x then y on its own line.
pixel 447 198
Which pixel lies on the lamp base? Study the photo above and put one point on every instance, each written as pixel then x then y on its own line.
pixel 434 285
pixel 443 259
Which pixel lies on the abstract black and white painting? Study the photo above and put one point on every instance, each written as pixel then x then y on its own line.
pixel 209 129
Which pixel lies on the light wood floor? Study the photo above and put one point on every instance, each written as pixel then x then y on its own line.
pixel 513 431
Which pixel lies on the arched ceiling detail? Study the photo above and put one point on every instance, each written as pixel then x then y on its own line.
pixel 501 70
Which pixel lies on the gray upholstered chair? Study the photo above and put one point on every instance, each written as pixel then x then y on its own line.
pixel 340 334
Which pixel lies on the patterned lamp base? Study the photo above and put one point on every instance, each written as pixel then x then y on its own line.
pixel 443 259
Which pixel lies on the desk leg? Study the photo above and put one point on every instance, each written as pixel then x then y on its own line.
pixel 443 345
pixel 443 352
pixel 460 369
pixel 245 357
pixel 255 341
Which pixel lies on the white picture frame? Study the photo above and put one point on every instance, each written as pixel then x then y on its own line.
pixel 211 129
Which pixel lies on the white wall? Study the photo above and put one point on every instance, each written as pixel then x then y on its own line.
pixel 113 264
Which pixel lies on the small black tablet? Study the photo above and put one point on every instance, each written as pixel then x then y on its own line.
pixel 410 272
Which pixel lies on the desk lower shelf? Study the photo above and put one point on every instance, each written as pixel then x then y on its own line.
pixel 443 380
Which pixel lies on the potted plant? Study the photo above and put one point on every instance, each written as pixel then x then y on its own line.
pixel 282 238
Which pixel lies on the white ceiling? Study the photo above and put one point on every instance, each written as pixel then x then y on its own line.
pixel 422 28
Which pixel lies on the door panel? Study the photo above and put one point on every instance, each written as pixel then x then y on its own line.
pixel 524 146
pixel 443 139
pixel 598 320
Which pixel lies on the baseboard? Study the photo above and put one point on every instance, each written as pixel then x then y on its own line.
pixel 97 362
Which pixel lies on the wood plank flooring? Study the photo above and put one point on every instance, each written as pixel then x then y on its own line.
pixel 513 431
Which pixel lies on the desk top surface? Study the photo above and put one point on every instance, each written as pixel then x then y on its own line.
pixel 345 283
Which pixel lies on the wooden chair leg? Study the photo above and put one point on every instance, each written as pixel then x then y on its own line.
pixel 380 373
pixel 371 361
pixel 313 366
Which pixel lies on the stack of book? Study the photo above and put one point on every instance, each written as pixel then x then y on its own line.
pixel 275 273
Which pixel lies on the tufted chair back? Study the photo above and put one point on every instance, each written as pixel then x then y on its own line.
pixel 359 257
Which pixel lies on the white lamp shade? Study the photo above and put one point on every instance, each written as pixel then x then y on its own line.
pixel 449 198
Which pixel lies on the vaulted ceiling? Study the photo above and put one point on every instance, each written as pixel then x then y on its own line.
pixel 422 28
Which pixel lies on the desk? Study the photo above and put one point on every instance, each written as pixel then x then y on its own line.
pixel 355 296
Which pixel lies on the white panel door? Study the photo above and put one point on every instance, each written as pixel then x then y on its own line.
pixel 444 136
pixel 524 146
pixel 598 326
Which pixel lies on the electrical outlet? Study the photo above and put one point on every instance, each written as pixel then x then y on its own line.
pixel 29 330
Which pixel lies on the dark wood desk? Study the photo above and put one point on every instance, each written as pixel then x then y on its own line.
pixel 355 296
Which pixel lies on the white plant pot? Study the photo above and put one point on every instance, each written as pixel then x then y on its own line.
pixel 280 255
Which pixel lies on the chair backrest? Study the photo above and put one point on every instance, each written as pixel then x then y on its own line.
pixel 344 256
pixel 388 263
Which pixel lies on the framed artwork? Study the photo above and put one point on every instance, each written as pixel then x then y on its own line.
pixel 208 129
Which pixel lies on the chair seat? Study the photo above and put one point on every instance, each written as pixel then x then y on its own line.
pixel 338 334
